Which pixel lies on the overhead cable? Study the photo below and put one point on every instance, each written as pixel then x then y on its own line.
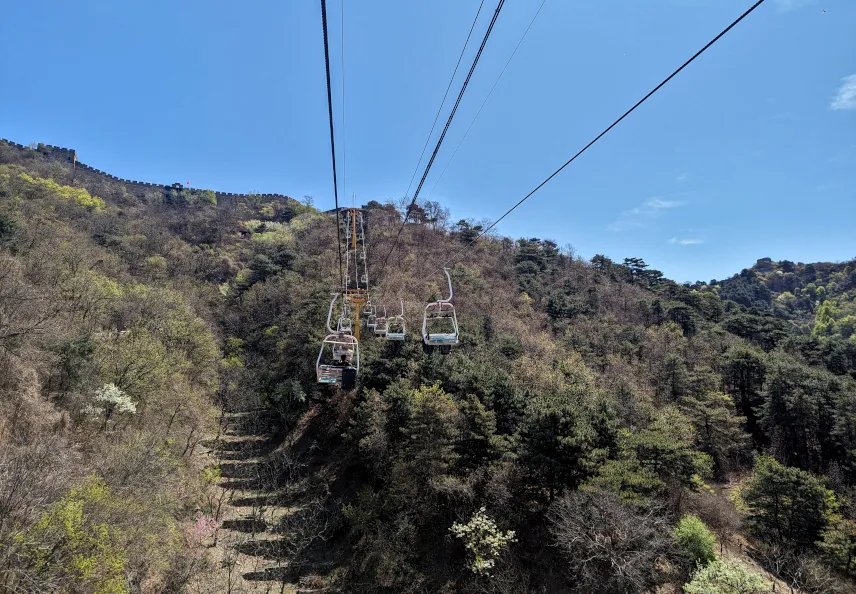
pixel 445 130
pixel 455 256
pixel 332 136
pixel 446 94
pixel 478 113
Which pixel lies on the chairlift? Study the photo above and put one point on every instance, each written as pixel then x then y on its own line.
pixel 396 328
pixel 371 318
pixel 439 322
pixel 340 353
pixel 345 323
pixel 381 324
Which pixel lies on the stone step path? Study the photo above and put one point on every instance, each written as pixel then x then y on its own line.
pixel 248 545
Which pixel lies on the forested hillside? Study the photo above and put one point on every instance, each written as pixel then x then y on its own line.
pixel 598 429
pixel 817 300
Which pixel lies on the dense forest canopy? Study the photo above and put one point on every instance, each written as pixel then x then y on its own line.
pixel 599 428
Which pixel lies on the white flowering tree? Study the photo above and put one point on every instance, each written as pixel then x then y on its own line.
pixel 727 577
pixel 483 540
pixel 108 400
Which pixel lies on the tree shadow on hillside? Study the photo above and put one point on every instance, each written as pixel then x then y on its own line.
pixel 247 525
pixel 266 549
pixel 291 473
pixel 270 574
pixel 249 425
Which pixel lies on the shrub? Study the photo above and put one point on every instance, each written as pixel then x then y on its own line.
pixel 839 543
pixel 68 545
pixel 112 398
pixel 77 195
pixel 696 543
pixel 727 577
pixel 483 540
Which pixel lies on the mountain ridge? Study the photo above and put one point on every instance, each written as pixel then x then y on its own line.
pixel 161 412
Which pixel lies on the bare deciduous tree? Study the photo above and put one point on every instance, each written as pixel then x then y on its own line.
pixel 802 572
pixel 610 545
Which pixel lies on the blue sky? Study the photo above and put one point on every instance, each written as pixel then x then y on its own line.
pixel 751 152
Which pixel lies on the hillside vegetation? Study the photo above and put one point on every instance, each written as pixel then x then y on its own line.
pixel 599 428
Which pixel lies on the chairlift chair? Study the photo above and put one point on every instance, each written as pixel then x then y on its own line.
pixel 381 324
pixel 345 323
pixel 339 358
pixel 440 323
pixel 396 328
pixel 341 371
pixel 369 312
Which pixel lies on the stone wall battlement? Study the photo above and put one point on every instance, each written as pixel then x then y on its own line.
pixel 50 152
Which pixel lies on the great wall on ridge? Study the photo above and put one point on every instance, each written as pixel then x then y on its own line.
pixel 86 173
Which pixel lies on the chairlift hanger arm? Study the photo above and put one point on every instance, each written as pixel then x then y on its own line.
pixel 330 313
pixel 449 278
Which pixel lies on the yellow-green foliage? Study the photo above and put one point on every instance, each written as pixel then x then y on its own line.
pixel 268 231
pixel 208 197
pixel 280 233
pixel 166 323
pixel 736 497
pixel 77 195
pixel 558 378
pixel 210 475
pixel 834 318
pixel 157 266
pixel 69 543
pixel 696 542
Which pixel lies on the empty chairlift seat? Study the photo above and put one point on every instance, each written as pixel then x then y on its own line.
pixel 381 324
pixel 371 318
pixel 440 323
pixel 396 327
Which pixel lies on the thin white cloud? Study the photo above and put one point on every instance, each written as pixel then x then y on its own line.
pixel 683 176
pixel 658 203
pixel 846 96
pixel 639 215
pixel 686 241
pixel 789 5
